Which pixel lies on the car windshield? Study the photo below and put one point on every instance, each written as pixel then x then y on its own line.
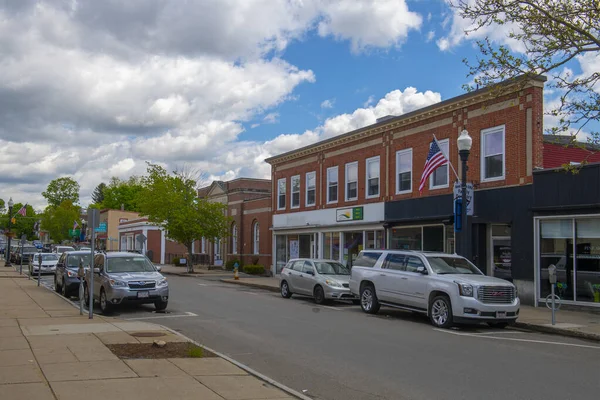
pixel 129 264
pixel 74 259
pixel 30 249
pixel 46 257
pixel 331 268
pixel 61 250
pixel 452 265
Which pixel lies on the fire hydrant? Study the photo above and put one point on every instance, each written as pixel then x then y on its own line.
pixel 236 276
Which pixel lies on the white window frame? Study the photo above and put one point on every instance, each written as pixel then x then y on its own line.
pixel 203 245
pixel 487 131
pixel 279 193
pixel 234 233
pixel 256 238
pixel 292 191
pixel 306 203
pixel 337 184
pixel 447 155
pixel 346 181
pixel 399 154
pixel 367 162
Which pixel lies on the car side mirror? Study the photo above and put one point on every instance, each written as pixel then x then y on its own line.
pixel 422 270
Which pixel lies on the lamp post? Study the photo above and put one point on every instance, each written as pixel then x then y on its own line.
pixel 464 143
pixel 7 250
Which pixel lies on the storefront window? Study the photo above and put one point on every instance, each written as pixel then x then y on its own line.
pixel 501 252
pixel 353 244
pixel 331 245
pixel 282 253
pixel 588 260
pixel 293 246
pixel 305 246
pixel 449 239
pixel 433 238
pixel 375 240
pixel 406 238
pixel 556 247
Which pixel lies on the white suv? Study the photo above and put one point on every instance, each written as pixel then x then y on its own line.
pixel 446 287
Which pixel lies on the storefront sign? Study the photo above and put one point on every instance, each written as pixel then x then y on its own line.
pixel 349 214
pixel 458 194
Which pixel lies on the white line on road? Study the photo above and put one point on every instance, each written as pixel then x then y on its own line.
pixel 517 340
pixel 187 314
pixel 333 308
pixel 499 333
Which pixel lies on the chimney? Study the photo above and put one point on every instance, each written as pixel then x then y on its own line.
pixel 122 207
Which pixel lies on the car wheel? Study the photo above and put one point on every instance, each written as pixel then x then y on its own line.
pixel 105 306
pixel 285 290
pixel 440 312
pixel 56 287
pixel 161 305
pixel 86 296
pixel 368 300
pixel 63 290
pixel 499 325
pixel 319 295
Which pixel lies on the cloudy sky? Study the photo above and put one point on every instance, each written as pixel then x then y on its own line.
pixel 93 89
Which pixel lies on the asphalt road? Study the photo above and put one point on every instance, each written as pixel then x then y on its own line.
pixel 338 352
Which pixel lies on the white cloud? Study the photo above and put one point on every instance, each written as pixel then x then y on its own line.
pixel 430 36
pixel 369 101
pixel 271 118
pixel 328 103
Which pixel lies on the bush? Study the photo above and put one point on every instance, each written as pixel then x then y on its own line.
pixel 231 263
pixel 254 269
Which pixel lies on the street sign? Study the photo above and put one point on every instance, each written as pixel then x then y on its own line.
pixel 23 240
pixel 102 227
pixel 470 197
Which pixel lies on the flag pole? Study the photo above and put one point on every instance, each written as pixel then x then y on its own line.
pixel 447 158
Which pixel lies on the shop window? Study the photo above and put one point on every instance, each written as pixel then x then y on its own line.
pixel 406 238
pixel 352 181
pixel 281 194
pixel 433 238
pixel 311 188
pixel 372 177
pixel 295 191
pixel 305 246
pixel 492 153
pixel 282 252
pixel 404 171
pixel 556 247
pixel 587 252
pixel 439 177
pixel 332 184
pixel 374 240
pixel 331 245
pixel 353 244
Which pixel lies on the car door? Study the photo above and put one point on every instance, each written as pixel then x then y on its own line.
pixel 415 284
pixel 390 281
pixel 295 276
pixel 307 277
pixel 98 278
pixel 60 269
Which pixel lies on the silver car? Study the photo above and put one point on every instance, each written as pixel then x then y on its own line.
pixel 122 277
pixel 321 279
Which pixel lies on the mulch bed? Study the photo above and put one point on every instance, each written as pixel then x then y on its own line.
pixel 149 350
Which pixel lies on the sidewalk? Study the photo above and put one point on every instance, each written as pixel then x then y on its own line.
pixel 49 352
pixel 578 324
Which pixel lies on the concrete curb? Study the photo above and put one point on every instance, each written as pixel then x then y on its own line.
pixel 254 285
pixel 256 374
pixel 558 331
pixel 195 274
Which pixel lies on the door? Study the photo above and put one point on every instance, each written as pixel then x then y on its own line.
pixel 60 269
pixel 307 281
pixel 98 280
pixel 389 281
pixel 295 276
pixel 415 284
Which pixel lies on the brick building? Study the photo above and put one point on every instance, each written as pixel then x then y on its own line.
pixel 158 247
pixel 359 190
pixel 249 205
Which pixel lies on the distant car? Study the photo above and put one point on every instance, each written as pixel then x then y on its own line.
pixel 38 245
pixel 85 249
pixel 62 249
pixel 49 261
pixel 66 280
pixel 121 277
pixel 321 279
pixel 47 248
pixel 24 253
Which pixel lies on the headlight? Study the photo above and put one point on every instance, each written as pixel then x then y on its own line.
pixel 114 282
pixel 71 274
pixel 333 283
pixel 516 292
pixel 162 282
pixel 465 289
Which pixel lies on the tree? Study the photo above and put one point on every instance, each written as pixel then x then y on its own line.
pixel 98 193
pixel 60 190
pixel 58 220
pixel 553 32
pixel 23 225
pixel 2 206
pixel 122 193
pixel 171 201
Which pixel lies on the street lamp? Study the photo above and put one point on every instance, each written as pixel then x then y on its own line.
pixel 7 250
pixel 464 143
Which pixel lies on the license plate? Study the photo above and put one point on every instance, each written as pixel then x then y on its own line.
pixel 143 295
pixel 500 314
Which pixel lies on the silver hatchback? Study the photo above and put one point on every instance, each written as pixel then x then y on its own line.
pixel 321 279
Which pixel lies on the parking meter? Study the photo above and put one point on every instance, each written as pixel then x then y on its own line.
pixel 39 269
pixel 552 279
pixel 552 273
pixel 81 275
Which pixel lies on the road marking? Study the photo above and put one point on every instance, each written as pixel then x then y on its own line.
pixel 516 340
pixel 187 314
pixel 333 308
pixel 499 333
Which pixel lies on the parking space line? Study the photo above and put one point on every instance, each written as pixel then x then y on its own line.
pixel 333 308
pixel 187 314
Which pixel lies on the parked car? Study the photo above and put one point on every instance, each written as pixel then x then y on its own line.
pixel 62 249
pixel 85 249
pixel 121 277
pixel 38 244
pixel 49 261
pixel 25 253
pixel 47 248
pixel 322 279
pixel 447 288
pixel 66 280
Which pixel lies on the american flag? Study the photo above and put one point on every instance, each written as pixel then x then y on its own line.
pixel 435 159
pixel 75 225
pixel 23 210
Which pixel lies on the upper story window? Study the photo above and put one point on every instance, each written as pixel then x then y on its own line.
pixel 439 177
pixel 295 191
pixel 492 153
pixel 404 171
pixel 373 177
pixel 352 181
pixel 281 194
pixel 311 188
pixel 332 184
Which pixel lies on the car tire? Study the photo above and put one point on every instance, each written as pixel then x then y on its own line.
pixel 285 291
pixel 498 325
pixel 319 295
pixel 56 287
pixel 440 312
pixel 63 290
pixel 86 296
pixel 368 299
pixel 105 306
pixel 161 305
